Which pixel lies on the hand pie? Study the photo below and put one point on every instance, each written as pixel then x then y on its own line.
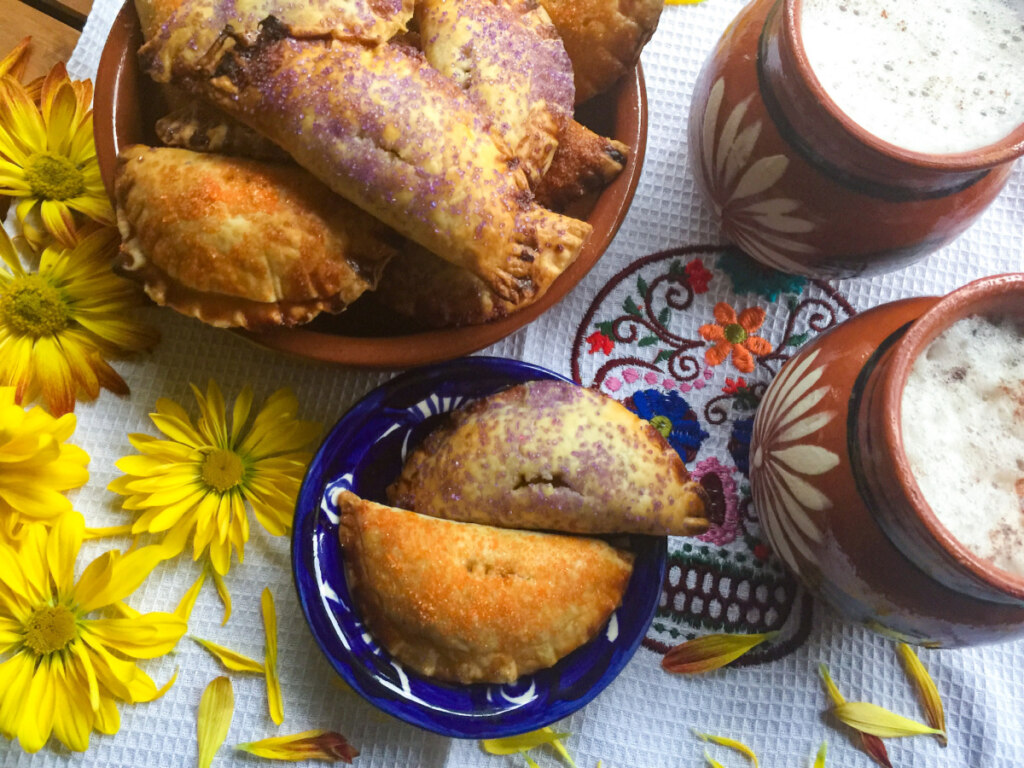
pixel 385 130
pixel 603 37
pixel 585 162
pixel 201 128
pixel 240 243
pixel 471 603
pixel 550 455
pixel 509 58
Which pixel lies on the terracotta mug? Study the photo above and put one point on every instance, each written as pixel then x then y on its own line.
pixel 802 188
pixel 835 494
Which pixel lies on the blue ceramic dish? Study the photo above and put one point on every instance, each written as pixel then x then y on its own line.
pixel 364 452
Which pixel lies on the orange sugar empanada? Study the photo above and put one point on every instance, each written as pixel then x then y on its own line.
pixel 472 603
pixel 552 455
pixel 241 243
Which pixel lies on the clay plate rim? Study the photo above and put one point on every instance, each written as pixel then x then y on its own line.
pixel 122 96
pixel 992 294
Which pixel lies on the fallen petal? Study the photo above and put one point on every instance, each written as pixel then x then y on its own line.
pixel 231 659
pixel 216 709
pixel 274 701
pixel 926 688
pixel 739 746
pixel 308 745
pixel 709 652
pixel 510 745
pixel 878 721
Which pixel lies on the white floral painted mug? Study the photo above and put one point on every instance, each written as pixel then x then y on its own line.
pixel 800 186
pixel 838 499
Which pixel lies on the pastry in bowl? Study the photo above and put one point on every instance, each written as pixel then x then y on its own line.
pixel 242 243
pixel 550 455
pixel 472 603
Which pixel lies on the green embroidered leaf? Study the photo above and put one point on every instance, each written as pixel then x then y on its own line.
pixel 664 316
pixel 647 341
pixel 797 339
pixel 630 306
pixel 641 286
pixel 662 356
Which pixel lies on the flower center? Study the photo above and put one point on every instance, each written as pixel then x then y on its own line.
pixel 735 333
pixel 222 469
pixel 663 424
pixel 33 307
pixel 50 629
pixel 53 177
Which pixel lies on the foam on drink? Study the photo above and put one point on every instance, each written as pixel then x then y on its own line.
pixel 936 76
pixel 963 434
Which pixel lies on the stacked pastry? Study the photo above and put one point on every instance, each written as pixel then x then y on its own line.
pixel 452 587
pixel 325 148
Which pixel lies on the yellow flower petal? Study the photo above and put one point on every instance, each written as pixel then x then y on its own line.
pixel 709 652
pixel 274 700
pixel 926 688
pixel 872 744
pixel 231 659
pixel 870 718
pixel 225 596
pixel 216 708
pixel 188 600
pixel 510 745
pixel 739 746
pixel 819 759
pixel 308 745
pixel 142 637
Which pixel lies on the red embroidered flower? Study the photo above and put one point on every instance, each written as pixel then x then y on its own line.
pixel 734 334
pixel 698 275
pixel 761 552
pixel 733 386
pixel 599 342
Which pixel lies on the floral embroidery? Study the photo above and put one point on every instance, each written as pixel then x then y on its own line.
pixel 673 417
pixel 600 343
pixel 749 276
pixel 699 276
pixel 733 386
pixel 739 443
pixel 734 333
pixel 721 487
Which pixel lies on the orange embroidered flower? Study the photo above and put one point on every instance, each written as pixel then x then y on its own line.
pixel 735 334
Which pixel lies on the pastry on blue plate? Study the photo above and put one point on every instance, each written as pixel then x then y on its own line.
pixel 472 603
pixel 550 455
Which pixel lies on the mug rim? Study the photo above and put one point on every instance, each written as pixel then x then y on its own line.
pixel 1007 149
pixel 1002 293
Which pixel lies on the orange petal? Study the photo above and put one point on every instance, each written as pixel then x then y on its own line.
pixel 757 345
pixel 13 63
pixel 718 353
pixel 724 314
pixel 709 652
pixel 712 332
pixel 751 318
pixel 742 359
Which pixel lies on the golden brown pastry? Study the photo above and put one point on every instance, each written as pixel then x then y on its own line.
pixel 507 55
pixel 202 128
pixel 603 37
pixel 240 243
pixel 388 132
pixel 550 455
pixel 471 603
pixel 584 163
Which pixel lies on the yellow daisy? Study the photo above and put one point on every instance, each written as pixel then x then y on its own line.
pixel 36 465
pixel 201 478
pixel 48 155
pixel 63 673
pixel 60 323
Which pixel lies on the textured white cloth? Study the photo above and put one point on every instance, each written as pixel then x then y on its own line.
pixel 642 720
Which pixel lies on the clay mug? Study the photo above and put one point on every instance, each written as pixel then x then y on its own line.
pixel 835 494
pixel 798 185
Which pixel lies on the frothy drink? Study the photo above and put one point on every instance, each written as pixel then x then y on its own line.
pixel 936 76
pixel 963 434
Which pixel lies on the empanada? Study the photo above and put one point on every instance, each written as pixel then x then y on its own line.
pixel 550 455
pixel 240 243
pixel 472 603
pixel 508 57
pixel 201 128
pixel 603 38
pixel 385 130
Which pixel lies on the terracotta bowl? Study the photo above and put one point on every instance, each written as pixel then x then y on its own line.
pixel 835 493
pixel 127 105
